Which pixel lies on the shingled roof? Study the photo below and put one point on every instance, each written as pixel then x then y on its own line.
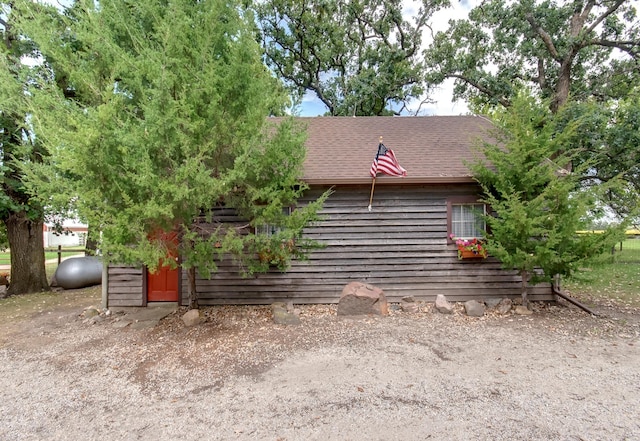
pixel 433 149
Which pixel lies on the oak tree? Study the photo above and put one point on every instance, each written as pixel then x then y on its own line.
pixel 559 50
pixel 359 57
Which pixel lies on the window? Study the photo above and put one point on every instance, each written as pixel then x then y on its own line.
pixel 465 218
pixel 270 229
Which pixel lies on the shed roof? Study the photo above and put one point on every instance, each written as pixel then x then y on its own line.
pixel 433 149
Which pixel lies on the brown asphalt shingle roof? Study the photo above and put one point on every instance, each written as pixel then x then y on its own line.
pixel 340 150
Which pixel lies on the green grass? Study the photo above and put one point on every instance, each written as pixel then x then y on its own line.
pixel 617 279
pixel 5 256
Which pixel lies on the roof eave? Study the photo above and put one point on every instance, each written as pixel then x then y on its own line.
pixel 392 181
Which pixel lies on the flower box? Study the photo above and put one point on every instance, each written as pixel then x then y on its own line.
pixel 469 254
pixel 470 248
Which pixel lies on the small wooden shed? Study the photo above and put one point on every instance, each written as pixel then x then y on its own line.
pixel 402 245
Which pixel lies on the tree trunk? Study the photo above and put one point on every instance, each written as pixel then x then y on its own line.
pixel 525 283
pixel 27 254
pixel 193 294
pixel 91 244
pixel 563 86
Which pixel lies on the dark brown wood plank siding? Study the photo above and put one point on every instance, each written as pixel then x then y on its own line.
pixel 125 286
pixel 400 246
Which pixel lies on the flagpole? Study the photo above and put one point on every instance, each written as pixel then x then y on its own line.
pixel 373 183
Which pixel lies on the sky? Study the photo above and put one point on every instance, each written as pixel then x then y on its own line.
pixel 444 105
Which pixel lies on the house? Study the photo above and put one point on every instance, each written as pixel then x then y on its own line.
pixel 71 233
pixel 402 245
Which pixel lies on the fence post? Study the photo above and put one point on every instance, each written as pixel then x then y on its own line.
pixel 59 254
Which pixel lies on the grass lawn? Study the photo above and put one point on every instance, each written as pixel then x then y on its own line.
pixel 5 257
pixel 617 280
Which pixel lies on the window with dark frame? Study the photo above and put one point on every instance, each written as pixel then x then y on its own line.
pixel 465 218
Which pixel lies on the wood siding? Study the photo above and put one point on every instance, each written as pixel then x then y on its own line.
pixel 400 246
pixel 126 286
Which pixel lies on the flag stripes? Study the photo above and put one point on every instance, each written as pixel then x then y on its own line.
pixel 386 162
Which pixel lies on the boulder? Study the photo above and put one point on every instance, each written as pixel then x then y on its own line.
pixel 409 304
pixel 443 305
pixel 284 314
pixel 192 317
pixel 523 310
pixel 504 307
pixel 92 311
pixel 362 299
pixel 474 308
pixel 492 302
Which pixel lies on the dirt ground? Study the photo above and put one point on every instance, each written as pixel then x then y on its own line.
pixel 559 374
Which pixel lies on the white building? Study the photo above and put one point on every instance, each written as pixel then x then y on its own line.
pixel 73 234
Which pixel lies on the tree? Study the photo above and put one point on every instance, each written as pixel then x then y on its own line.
pixel 360 57
pixel 537 205
pixel 582 54
pixel 576 49
pixel 171 125
pixel 607 147
pixel 21 214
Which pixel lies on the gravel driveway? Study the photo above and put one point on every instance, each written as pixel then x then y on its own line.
pixel 557 375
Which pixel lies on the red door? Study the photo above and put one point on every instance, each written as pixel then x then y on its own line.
pixel 162 286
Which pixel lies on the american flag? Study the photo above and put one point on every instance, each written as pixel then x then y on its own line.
pixel 386 162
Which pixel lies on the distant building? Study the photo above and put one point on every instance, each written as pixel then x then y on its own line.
pixel 73 234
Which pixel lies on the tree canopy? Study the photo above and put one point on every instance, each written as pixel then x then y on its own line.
pixel 578 49
pixel 537 205
pixel 359 57
pixel 21 214
pixel 162 120
pixel 607 147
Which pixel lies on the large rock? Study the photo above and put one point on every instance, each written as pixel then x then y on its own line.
pixel 284 315
pixel 443 305
pixel 474 308
pixel 523 310
pixel 362 299
pixel 409 304
pixel 504 307
pixel 192 317
pixel 492 302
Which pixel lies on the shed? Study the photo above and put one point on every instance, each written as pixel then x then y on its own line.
pixel 402 245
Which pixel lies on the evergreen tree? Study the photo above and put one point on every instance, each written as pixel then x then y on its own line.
pixel 21 214
pixel 536 200
pixel 167 123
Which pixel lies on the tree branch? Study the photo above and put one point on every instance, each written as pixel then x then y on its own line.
pixel 625 46
pixel 546 38
pixel 502 100
pixel 607 13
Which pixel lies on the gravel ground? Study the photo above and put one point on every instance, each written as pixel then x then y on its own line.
pixel 557 375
